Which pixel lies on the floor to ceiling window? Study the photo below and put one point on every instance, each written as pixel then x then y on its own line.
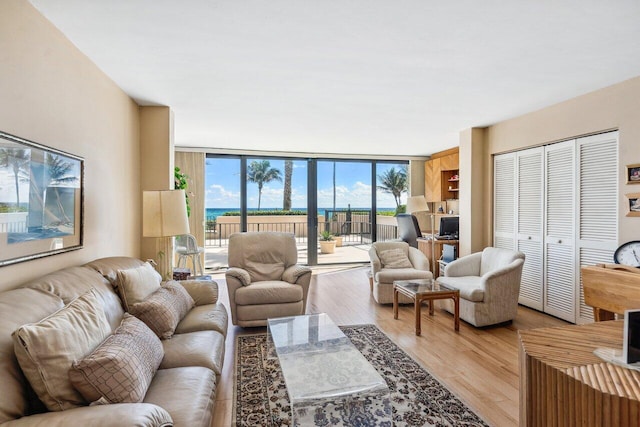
pixel 250 193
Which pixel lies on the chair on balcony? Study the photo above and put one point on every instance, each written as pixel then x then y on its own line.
pixel 264 279
pixel 187 247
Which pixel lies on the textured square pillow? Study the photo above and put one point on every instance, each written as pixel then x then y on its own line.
pixel 46 350
pixel 394 258
pixel 122 367
pixel 136 284
pixel 164 309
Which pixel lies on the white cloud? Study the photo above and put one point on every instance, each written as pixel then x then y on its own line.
pixel 218 196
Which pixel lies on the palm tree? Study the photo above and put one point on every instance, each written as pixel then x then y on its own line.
pixel 59 173
pixel 17 159
pixel 394 182
pixel 59 170
pixel 262 173
pixel 288 173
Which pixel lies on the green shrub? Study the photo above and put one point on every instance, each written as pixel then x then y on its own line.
pixel 265 213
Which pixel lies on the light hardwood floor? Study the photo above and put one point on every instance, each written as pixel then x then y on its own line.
pixel 480 366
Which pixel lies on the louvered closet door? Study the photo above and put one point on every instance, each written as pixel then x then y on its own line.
pixel 529 222
pixel 559 297
pixel 504 179
pixel 597 206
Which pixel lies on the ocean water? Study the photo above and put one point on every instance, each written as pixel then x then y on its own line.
pixel 213 213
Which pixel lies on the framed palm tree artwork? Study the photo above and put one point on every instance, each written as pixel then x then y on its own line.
pixel 41 194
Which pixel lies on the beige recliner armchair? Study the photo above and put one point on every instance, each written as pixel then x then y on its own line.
pixel 392 261
pixel 263 279
pixel 489 284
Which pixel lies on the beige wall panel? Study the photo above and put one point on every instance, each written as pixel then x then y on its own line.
pixel 156 161
pixel 614 107
pixel 52 94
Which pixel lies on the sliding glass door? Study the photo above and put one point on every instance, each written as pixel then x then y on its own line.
pixel 344 198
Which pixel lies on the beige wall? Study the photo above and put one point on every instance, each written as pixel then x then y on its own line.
pixel 471 197
pixel 156 169
pixel 614 107
pixel 52 94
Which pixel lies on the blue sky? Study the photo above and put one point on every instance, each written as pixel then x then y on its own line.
pixel 352 185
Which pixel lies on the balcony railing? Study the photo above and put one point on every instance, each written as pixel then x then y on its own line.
pixel 358 233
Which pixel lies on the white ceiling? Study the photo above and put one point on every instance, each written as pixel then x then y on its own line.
pixel 385 77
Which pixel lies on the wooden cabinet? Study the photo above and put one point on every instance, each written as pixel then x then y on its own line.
pixel 441 176
pixel 432 184
pixel 424 245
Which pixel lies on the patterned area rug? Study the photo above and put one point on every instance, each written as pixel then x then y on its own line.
pixel 418 399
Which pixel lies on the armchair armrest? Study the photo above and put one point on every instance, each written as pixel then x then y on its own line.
pixel 241 275
pixel 418 259
pixel 466 266
pixel 503 283
pixel 202 291
pixel 293 273
pixel 114 415
pixel 376 264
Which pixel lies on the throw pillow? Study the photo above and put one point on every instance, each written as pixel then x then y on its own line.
pixel 122 367
pixel 164 309
pixel 394 258
pixel 46 350
pixel 136 284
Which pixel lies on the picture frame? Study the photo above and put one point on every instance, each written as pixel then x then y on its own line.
pixel 41 200
pixel 633 174
pixel 633 204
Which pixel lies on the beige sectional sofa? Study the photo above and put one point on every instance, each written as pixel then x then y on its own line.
pixel 182 390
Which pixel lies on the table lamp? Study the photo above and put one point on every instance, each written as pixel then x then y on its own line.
pixel 164 215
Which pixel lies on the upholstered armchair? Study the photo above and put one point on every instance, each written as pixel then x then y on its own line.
pixel 489 284
pixel 264 279
pixel 392 261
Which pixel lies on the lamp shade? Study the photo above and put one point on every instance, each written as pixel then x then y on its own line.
pixel 417 204
pixel 164 213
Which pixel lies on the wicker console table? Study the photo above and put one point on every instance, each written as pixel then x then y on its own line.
pixel 562 383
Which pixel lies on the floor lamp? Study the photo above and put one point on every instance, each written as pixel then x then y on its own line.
pixel 164 215
pixel 419 204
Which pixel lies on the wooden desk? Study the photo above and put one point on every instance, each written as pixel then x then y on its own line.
pixel 425 247
pixel 611 289
pixel 562 383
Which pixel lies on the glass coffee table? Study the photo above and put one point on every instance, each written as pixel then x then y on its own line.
pixel 324 372
pixel 420 290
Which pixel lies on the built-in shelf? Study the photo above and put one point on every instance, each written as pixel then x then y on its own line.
pixel 454 180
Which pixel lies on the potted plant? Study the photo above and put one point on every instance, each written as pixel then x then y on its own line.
pixel 338 238
pixel 327 243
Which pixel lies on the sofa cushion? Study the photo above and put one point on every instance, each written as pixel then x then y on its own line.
pixel 46 350
pixel 164 309
pixel 394 258
pixel 136 284
pixel 17 307
pixel 187 394
pixel 108 267
pixel 210 317
pixel 202 291
pixel 268 292
pixel 69 283
pixel 202 348
pixel 122 367
pixel 389 275
pixel 470 287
